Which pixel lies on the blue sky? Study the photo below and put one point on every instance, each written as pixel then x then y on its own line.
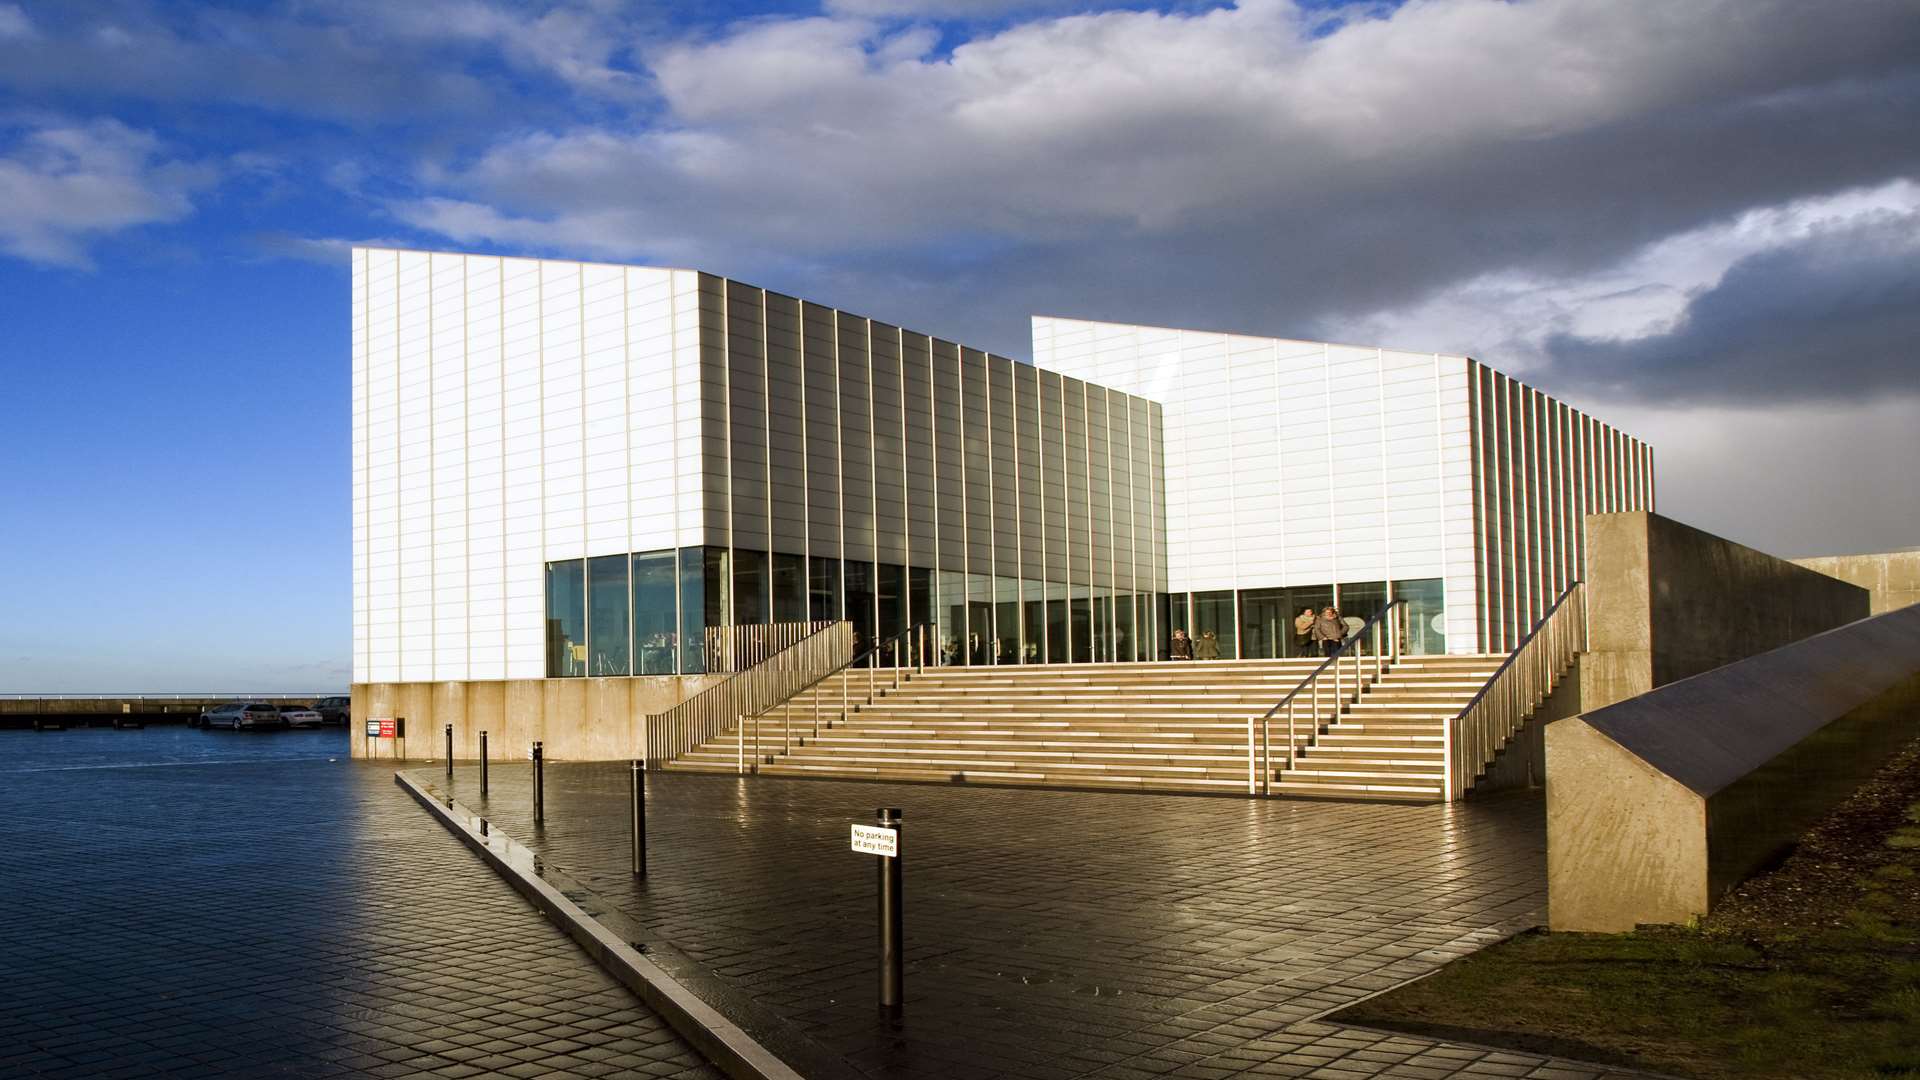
pixel 1698 219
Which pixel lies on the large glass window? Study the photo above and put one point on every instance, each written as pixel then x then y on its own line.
pixel 1082 629
pixel 1033 625
pixel 566 618
pixel 920 599
pixel 789 587
pixel 1006 620
pixel 1266 626
pixel 950 613
pixel 1213 614
pixel 656 633
pixel 608 630
pixel 752 588
pixel 1102 626
pixel 1425 626
pixel 693 610
pixel 1056 622
pixel 823 590
pixel 860 603
pixel 892 597
pixel 1361 601
pixel 979 619
pixel 1123 641
pixel 716 602
pixel 1173 616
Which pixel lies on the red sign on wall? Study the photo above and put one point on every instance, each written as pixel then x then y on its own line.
pixel 386 729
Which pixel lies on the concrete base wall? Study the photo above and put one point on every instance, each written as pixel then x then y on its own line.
pixel 1658 805
pixel 1667 601
pixel 575 719
pixel 1892 578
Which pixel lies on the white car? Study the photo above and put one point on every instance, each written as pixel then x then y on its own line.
pixel 299 716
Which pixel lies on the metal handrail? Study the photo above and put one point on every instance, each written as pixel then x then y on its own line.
pixel 792 651
pixel 1475 735
pixel 916 661
pixel 1260 768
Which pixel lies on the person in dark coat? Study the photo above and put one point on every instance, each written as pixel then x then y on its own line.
pixel 1182 646
pixel 1329 630
pixel 1207 648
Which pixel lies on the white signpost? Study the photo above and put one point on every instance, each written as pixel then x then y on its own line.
pixel 873 840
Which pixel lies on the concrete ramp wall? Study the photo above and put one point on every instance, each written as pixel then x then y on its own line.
pixel 1656 806
pixel 1666 600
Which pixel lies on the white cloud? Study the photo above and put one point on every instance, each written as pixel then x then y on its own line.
pixel 14 22
pixel 840 133
pixel 1509 316
pixel 62 185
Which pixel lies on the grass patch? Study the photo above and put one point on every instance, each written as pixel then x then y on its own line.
pixel 1809 972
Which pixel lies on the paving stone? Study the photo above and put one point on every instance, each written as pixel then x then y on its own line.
pixel 1085 934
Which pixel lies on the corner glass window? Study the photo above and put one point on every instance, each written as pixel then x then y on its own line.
pixel 656 626
pixel 789 587
pixel 566 618
pixel 694 604
pixel 608 629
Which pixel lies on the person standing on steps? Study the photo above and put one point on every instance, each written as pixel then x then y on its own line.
pixel 1329 631
pixel 1182 646
pixel 1207 648
pixel 1303 631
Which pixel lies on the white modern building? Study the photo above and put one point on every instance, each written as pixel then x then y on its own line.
pixel 566 469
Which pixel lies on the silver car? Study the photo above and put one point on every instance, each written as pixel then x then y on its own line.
pixel 298 716
pixel 244 716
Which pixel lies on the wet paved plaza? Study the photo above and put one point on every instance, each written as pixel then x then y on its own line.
pixel 217 904
pixel 1050 934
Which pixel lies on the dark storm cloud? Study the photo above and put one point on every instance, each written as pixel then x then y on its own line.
pixel 1833 319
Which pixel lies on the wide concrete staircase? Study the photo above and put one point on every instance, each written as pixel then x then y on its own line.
pixel 1155 726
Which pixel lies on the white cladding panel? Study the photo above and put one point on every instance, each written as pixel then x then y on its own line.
pixel 507 412
pixel 1293 463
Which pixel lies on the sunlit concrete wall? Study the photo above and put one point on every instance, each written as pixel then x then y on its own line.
pixel 1892 577
pixel 1666 601
pixel 575 719
pixel 1656 806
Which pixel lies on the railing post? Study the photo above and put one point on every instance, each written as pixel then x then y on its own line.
pixel 1266 753
pixel 639 835
pixel 1251 788
pixel 539 784
pixel 483 764
pixel 1290 731
pixel 1399 617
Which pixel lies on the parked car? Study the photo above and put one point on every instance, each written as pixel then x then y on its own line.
pixel 244 716
pixel 332 710
pixel 300 716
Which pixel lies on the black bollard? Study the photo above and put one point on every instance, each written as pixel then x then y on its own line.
pixel 449 751
pixel 483 764
pixel 639 801
pixel 539 785
pixel 892 923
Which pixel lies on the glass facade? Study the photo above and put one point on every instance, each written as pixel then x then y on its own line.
pixel 1265 622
